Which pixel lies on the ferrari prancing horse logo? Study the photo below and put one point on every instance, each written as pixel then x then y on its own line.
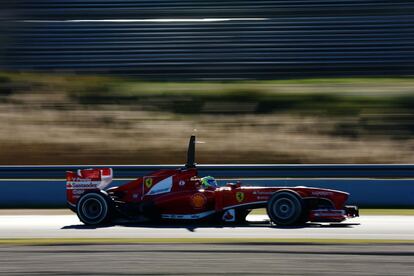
pixel 148 182
pixel 240 196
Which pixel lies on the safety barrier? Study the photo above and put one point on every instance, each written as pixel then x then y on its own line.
pixel 369 185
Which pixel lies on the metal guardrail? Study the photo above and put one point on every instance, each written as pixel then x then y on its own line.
pixel 225 171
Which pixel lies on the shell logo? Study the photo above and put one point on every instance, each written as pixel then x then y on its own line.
pixel 198 201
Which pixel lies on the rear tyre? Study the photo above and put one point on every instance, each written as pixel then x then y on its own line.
pixel 285 208
pixel 94 209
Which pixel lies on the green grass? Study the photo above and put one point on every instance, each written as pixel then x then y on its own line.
pixel 363 212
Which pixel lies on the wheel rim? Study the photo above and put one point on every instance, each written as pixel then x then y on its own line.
pixel 92 208
pixel 284 208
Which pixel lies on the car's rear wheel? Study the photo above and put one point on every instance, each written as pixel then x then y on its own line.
pixel 94 208
pixel 285 208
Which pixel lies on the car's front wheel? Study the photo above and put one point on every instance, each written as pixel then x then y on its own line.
pixel 93 208
pixel 285 208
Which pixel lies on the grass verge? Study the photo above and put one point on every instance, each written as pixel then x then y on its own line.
pixel 364 212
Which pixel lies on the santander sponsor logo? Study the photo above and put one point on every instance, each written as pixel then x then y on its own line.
pixel 78 179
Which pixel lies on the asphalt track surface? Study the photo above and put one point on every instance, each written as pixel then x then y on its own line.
pixel 69 226
pixel 207 259
pixel 270 258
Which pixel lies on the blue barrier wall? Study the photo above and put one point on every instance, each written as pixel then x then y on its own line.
pixel 369 185
pixel 368 193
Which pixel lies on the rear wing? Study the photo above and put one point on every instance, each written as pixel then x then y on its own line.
pixel 89 179
pixel 81 181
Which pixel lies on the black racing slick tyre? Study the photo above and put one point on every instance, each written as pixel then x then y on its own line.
pixel 285 208
pixel 94 208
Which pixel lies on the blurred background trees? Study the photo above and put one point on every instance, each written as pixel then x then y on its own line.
pixel 72 119
pixel 267 81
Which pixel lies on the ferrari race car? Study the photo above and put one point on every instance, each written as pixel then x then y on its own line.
pixel 181 195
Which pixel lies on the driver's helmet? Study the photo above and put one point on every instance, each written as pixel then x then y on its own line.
pixel 208 182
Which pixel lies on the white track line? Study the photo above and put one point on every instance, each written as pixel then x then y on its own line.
pixel 68 226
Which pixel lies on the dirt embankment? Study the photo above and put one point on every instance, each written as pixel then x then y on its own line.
pixel 91 120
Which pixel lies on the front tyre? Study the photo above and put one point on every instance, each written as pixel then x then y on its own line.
pixel 285 208
pixel 93 209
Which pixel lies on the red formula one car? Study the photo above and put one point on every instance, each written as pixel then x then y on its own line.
pixel 182 195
